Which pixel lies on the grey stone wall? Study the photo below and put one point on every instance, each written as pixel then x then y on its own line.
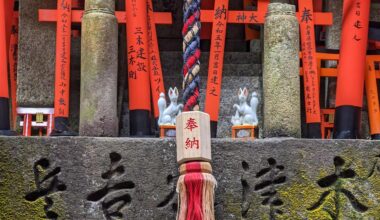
pixel 303 179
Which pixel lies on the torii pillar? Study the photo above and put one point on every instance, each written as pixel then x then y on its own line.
pixel 6 14
pixel 351 69
pixel 99 66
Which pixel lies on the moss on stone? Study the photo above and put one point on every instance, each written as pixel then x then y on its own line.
pixel 13 188
pixel 88 114
pixel 232 205
pixel 304 192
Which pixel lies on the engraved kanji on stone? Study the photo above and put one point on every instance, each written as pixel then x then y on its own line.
pixel 115 195
pixel 335 190
pixel 46 185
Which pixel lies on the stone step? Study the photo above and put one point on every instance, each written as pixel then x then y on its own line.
pixel 175 44
pixel 233 76
pixel 174 72
pixel 175 57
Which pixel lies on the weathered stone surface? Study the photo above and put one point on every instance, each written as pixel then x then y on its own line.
pixel 297 176
pixel 281 82
pixel 36 56
pixel 375 15
pixel 99 68
pixel 100 4
pixel 255 46
pixel 333 31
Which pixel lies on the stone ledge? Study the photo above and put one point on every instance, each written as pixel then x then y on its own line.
pixel 294 169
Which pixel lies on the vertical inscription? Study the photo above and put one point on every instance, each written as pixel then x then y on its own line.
pixel 62 68
pixel 309 61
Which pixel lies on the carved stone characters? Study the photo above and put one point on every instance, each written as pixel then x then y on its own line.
pixel 246 114
pixel 168 114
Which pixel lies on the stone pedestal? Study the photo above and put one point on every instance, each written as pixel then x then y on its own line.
pixel 281 83
pixel 99 66
pixel 145 173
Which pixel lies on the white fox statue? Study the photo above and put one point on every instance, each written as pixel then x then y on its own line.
pixel 246 114
pixel 168 114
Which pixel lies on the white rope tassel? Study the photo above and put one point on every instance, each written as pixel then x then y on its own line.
pixel 209 185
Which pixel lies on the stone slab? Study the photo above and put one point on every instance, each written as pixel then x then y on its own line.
pixel 298 172
pixel 36 61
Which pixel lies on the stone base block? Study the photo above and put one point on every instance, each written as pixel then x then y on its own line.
pixel 93 178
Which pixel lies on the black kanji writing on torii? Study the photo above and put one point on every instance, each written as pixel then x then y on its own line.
pixel 221 11
pixel 141 54
pixel 171 198
pixel 139 40
pixel 358 24
pixel 213 91
pixel 141 67
pixel 253 18
pixel 46 186
pixel 335 184
pixel 357 38
pixel 270 177
pixel 241 17
pixel 132 74
pixel 138 30
pixel 65 5
pixel 132 60
pixel 306 15
pixel 113 196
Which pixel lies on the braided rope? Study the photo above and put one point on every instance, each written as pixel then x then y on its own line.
pixel 191 54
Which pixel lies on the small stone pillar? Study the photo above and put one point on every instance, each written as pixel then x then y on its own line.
pixel 99 65
pixel 281 82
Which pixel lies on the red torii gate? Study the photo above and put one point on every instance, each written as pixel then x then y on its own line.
pixel 220 16
pixel 50 15
pixel 6 17
pixel 63 47
pixel 311 79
